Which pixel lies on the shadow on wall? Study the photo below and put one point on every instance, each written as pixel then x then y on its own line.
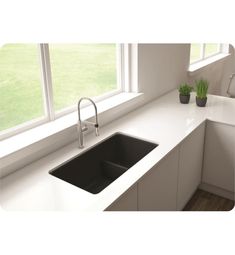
pixel 229 69
pixel 217 73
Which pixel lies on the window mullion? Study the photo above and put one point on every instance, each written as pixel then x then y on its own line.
pixel 123 67
pixel 119 65
pixel 126 67
pixel 202 54
pixel 47 81
pixel 220 47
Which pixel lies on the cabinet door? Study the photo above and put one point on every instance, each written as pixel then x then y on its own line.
pixel 190 165
pixel 219 158
pixel 157 189
pixel 127 202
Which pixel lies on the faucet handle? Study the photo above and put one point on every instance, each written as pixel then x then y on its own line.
pixel 96 129
pixel 84 128
pixel 81 127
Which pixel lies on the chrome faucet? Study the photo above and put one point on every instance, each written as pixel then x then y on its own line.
pixel 82 125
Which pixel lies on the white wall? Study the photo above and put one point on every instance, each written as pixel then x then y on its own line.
pixel 217 74
pixel 229 68
pixel 161 68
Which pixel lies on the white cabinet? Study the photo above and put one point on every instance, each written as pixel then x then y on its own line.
pixel 170 184
pixel 157 189
pixel 190 165
pixel 127 202
pixel 219 157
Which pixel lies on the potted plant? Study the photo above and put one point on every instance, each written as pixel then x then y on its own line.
pixel 184 93
pixel 201 91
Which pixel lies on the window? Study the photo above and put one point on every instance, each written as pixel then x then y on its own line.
pixel 86 69
pixel 21 98
pixel 39 83
pixel 199 52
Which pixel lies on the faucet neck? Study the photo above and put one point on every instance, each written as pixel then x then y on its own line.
pixel 81 129
pixel 79 109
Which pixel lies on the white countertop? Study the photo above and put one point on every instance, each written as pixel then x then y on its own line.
pixel 164 121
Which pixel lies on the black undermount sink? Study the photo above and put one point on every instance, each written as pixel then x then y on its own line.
pixel 94 169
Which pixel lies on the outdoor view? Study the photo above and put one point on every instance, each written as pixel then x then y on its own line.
pixel 195 52
pixel 81 70
pixel 20 85
pixel 77 70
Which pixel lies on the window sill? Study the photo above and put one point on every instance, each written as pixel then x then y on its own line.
pixel 196 67
pixel 31 137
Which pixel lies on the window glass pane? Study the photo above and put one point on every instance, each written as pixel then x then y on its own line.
pixel 82 70
pixel 20 85
pixel 195 52
pixel 211 48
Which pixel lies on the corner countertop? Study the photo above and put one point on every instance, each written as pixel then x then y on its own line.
pixel 164 121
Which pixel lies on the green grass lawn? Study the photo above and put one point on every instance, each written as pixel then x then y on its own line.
pixel 77 70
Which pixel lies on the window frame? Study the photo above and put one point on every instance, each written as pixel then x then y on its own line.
pixel 202 52
pixel 47 91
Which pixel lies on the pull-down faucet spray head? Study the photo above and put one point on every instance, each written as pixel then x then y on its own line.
pixel 81 129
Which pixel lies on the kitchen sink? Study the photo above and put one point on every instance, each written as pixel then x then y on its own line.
pixel 94 169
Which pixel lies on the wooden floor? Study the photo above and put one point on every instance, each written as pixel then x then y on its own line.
pixel 205 201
